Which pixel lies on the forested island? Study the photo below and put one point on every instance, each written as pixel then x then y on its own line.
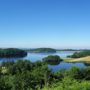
pixel 52 60
pixel 42 50
pixel 12 52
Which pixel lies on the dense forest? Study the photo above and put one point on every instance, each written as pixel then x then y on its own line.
pixel 42 50
pixel 25 75
pixel 80 54
pixel 12 52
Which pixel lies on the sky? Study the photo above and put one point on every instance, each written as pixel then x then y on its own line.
pixel 45 23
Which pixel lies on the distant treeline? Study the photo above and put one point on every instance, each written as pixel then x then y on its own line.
pixel 12 52
pixel 80 54
pixel 72 49
pixel 67 50
pixel 47 50
pixel 42 50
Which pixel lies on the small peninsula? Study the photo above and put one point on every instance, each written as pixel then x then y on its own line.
pixel 83 56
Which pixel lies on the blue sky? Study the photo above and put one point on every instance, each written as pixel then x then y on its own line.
pixel 45 23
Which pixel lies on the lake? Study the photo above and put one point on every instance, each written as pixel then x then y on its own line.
pixel 33 57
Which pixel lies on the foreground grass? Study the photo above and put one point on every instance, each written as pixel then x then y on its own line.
pixel 83 59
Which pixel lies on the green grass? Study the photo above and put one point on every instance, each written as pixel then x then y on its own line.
pixel 83 59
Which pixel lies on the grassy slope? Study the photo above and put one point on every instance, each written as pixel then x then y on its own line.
pixel 84 59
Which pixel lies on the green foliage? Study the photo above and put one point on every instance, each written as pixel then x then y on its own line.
pixel 74 72
pixel 42 50
pixel 52 59
pixel 70 84
pixel 12 52
pixel 25 75
pixel 20 66
pixel 86 73
pixel 80 54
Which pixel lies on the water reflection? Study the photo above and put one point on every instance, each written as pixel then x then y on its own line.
pixel 64 65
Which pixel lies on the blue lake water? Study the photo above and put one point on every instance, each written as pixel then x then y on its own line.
pixel 33 57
